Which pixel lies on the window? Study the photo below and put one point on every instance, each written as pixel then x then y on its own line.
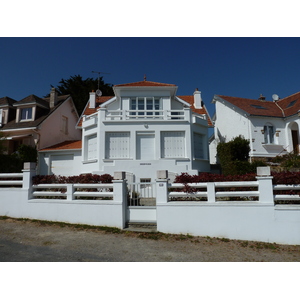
pixel 269 134
pixel 26 113
pixel 91 147
pixel 1 117
pixel 198 146
pixel 172 144
pixel 117 145
pixel 258 106
pixel 145 106
pixel 64 125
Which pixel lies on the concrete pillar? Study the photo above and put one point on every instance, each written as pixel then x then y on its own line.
pixel 120 195
pixel 28 172
pixel 211 192
pixel 161 191
pixel 265 185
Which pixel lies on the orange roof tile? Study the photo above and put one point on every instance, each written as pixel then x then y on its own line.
pixel 255 107
pixel 89 111
pixel 282 108
pixel 145 83
pixel 201 111
pixel 67 145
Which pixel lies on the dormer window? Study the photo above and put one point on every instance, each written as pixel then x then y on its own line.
pixel 26 114
pixel 145 106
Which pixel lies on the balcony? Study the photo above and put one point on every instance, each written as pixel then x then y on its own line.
pixel 149 115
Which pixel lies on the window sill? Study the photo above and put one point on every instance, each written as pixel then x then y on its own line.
pixel 112 159
pixel 89 161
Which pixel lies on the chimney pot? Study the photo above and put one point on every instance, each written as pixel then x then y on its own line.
pixel 53 97
pixel 92 99
pixel 197 99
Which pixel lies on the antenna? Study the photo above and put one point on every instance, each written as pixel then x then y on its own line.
pixel 275 97
pixel 98 92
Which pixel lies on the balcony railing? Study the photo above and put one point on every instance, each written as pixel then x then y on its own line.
pixel 115 115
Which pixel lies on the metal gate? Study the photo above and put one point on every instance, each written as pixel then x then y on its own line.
pixel 141 201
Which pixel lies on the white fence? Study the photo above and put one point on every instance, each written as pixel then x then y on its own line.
pixel 235 210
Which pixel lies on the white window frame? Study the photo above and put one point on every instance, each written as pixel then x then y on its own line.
pixel 145 106
pixel 64 124
pixel 26 110
pixel 199 146
pixel 269 134
pixel 87 153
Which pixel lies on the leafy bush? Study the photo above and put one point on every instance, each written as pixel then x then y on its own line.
pixel 10 164
pixel 234 155
pixel 26 153
pixel 287 161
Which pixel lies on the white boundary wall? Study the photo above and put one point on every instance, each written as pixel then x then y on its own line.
pixel 245 220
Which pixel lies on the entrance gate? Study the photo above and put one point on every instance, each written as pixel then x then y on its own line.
pixel 141 202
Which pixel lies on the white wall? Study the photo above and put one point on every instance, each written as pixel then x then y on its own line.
pixel 46 158
pixel 257 222
pixel 14 203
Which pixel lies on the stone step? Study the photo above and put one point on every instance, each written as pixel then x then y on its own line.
pixel 141 227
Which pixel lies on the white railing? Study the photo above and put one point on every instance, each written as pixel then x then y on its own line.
pixel 141 194
pixel 121 115
pixel 292 196
pixel 210 191
pixel 73 191
pixel 4 179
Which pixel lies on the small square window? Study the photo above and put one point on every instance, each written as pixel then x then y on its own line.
pixel 26 113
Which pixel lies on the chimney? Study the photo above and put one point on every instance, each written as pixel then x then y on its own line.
pixel 92 99
pixel 262 98
pixel 197 99
pixel 53 97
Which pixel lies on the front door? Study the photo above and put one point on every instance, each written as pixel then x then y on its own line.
pixel 295 141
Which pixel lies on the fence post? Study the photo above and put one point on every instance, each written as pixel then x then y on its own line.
pixel 162 187
pixel 120 194
pixel 211 192
pixel 265 186
pixel 70 192
pixel 28 172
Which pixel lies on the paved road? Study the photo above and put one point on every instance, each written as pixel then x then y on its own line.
pixel 27 241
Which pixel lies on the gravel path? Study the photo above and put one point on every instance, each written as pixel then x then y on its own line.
pixel 36 241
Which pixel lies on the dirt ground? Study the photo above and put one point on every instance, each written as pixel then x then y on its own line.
pixel 38 241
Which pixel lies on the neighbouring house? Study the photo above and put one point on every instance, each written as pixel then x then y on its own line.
pixel 38 122
pixel 272 127
pixel 143 128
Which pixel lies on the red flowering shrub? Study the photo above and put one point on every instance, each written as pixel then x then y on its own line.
pixel 83 178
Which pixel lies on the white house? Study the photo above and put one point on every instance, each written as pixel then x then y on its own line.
pixel 38 122
pixel 272 127
pixel 143 128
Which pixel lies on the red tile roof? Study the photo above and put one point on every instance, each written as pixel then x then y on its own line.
pixel 67 145
pixel 282 108
pixel 145 83
pixel 89 111
pixel 255 107
pixel 201 111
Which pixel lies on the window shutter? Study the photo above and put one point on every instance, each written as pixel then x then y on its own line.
pixel 173 144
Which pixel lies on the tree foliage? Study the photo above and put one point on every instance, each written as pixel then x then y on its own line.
pixel 80 88
pixel 234 155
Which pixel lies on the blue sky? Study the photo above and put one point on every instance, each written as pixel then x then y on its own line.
pixel 243 67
